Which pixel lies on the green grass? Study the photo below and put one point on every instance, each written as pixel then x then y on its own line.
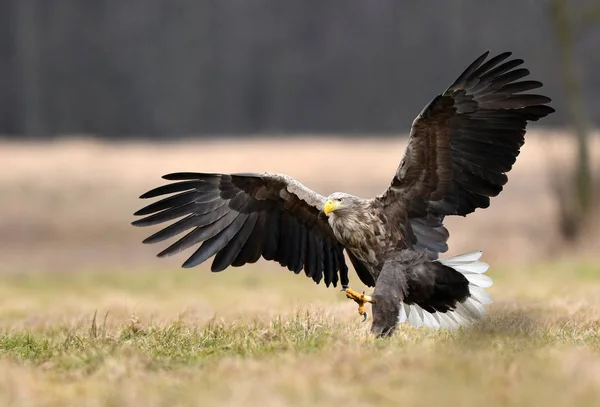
pixel 266 337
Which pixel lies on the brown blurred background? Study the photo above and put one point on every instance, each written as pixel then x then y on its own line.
pixel 99 99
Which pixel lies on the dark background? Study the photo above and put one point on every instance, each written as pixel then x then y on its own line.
pixel 156 68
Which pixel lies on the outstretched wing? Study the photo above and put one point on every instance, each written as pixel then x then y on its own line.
pixel 462 145
pixel 240 217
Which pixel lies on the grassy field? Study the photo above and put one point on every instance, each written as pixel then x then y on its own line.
pixel 266 337
pixel 89 316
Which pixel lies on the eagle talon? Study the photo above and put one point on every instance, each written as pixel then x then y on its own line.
pixel 361 300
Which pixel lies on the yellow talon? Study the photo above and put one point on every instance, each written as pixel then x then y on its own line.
pixel 360 299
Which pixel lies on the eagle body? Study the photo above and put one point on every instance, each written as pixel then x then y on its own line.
pixel 369 234
pixel 366 234
pixel 460 149
pixel 377 237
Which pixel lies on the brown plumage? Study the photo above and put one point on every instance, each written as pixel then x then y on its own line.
pixel 461 147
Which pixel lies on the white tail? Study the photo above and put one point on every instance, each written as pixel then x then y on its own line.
pixel 465 313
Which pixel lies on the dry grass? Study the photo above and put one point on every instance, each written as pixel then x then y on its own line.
pixel 261 337
pixel 89 317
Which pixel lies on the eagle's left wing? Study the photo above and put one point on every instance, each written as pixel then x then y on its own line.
pixel 238 218
pixel 462 145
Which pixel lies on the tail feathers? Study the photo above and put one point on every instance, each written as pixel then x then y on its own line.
pixel 465 313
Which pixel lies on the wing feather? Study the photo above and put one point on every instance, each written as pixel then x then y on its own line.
pixel 462 145
pixel 229 253
pixel 211 246
pixel 237 218
pixel 253 248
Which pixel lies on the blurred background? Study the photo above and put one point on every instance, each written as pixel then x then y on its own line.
pixel 99 99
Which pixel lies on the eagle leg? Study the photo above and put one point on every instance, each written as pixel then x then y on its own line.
pixel 361 300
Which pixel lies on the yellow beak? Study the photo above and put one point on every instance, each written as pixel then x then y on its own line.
pixel 329 207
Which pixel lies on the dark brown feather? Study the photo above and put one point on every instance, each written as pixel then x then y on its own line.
pixel 462 145
pixel 361 270
pixel 237 218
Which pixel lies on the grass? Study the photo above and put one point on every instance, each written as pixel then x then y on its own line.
pixel 261 336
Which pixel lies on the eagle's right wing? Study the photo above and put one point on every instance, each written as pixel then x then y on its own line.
pixel 240 217
pixel 462 145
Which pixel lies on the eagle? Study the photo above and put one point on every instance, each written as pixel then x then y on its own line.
pixel 460 149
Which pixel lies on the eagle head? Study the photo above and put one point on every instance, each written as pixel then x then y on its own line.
pixel 339 202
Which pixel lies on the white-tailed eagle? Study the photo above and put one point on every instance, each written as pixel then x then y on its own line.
pixel 461 147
